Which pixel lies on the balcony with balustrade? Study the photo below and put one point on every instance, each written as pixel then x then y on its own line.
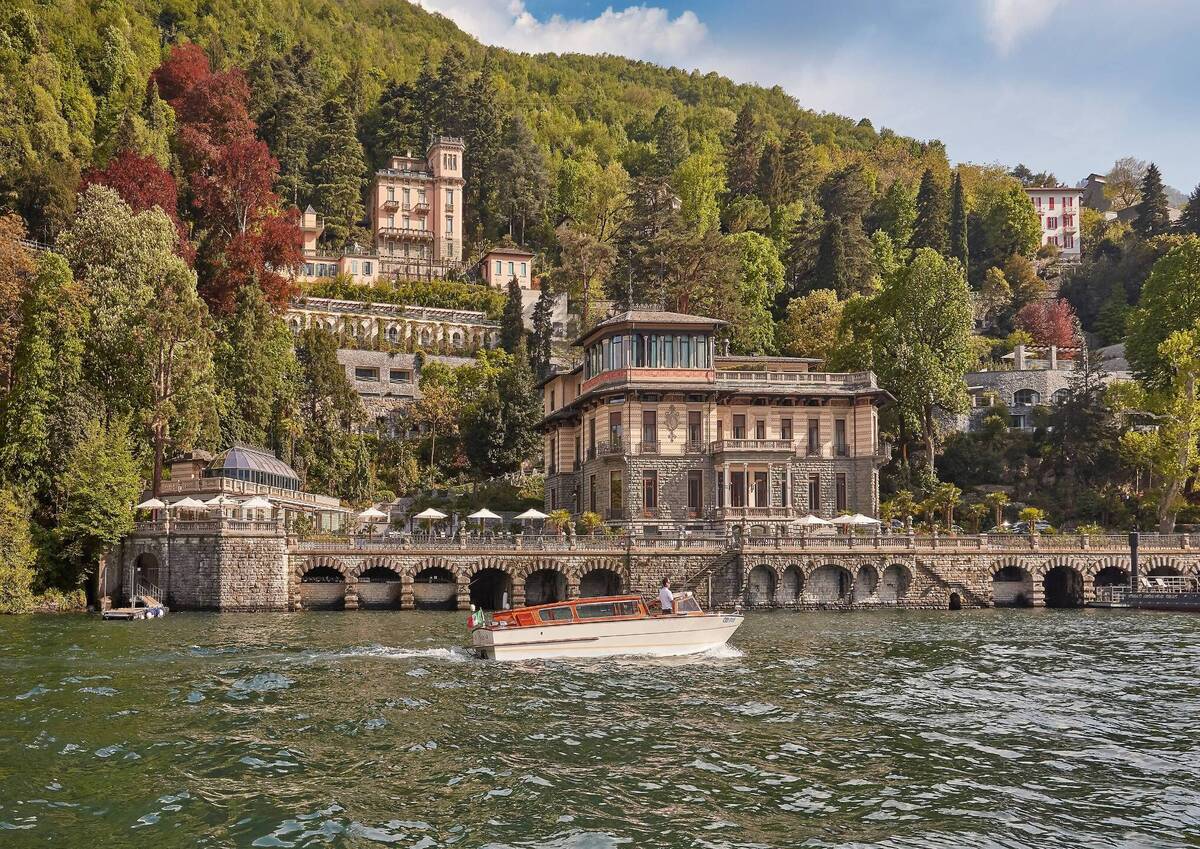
pixel 779 448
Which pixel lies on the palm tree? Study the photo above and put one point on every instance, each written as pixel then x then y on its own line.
pixel 902 505
pixel 975 511
pixel 559 519
pixel 947 496
pixel 1032 515
pixel 997 501
pixel 591 522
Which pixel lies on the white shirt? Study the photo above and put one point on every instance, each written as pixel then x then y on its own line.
pixel 666 600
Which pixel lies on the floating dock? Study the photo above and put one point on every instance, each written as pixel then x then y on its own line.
pixel 144 607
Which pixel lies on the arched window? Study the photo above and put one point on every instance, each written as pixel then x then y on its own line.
pixel 1060 396
pixel 1026 398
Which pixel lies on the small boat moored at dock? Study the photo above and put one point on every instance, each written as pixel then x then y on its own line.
pixel 600 627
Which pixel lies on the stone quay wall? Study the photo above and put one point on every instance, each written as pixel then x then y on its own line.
pixel 248 566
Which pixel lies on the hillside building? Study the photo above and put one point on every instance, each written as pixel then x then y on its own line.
pixel 658 434
pixel 1058 209
pixel 415 207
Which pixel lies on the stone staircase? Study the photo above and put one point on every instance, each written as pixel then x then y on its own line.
pixel 717 584
pixel 968 595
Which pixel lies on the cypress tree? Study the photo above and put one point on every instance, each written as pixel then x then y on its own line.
pixel 744 152
pixel 958 222
pixel 832 271
pixel 932 226
pixel 1152 217
pixel 543 331
pixel 1190 221
pixel 338 176
pixel 770 175
pixel 671 144
pixel 799 166
pixel 483 135
pixel 512 321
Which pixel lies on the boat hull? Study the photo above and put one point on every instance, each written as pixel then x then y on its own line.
pixel 658 636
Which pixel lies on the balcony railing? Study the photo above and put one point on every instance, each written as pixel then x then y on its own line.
pixel 609 449
pixel 804 378
pixel 406 233
pixel 695 446
pixel 726 513
pixel 391 205
pixel 648 447
pixel 721 445
pixel 421 207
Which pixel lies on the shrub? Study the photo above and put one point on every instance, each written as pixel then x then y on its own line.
pixel 440 294
pixel 18 555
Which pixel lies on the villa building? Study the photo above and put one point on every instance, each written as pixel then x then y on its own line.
pixel 658 434
pixel 507 262
pixel 415 208
pixel 1058 209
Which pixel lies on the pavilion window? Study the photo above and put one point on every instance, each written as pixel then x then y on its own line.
pixel 685 352
pixel 618 351
pixel 669 352
pixel 739 426
pixel 639 350
pixel 652 350
pixel 606 355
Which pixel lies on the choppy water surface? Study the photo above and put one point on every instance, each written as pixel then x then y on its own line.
pixel 995 728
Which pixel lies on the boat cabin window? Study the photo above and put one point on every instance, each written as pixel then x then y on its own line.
pixel 608 608
pixel 555 614
pixel 687 605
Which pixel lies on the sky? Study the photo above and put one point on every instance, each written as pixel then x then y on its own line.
pixel 1061 85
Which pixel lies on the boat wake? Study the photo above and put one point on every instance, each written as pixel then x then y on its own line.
pixel 452 655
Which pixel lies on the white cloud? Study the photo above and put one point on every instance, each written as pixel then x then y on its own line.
pixel 1008 20
pixel 643 32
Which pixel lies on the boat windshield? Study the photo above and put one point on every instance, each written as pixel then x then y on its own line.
pixel 555 614
pixel 602 610
pixel 687 604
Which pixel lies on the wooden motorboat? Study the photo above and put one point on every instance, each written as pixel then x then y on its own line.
pixel 599 627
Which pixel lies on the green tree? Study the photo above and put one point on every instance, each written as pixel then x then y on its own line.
pixel 995 295
pixel 1189 222
pixel 1172 450
pixel 958 222
pixel 585 263
pixel 512 323
pixel 522 181
pixel 47 371
pixel 760 279
pixel 591 197
pixel 699 182
pixel 101 483
pixel 1007 222
pixel 339 172
pixel 1152 216
pixel 997 501
pixel 20 554
pixel 256 373
pixel 543 332
pixel 1170 302
pixel 932 226
pixel 832 271
pixel 800 168
pixel 286 91
pixel 771 177
pixel 745 151
pixel 502 162
pixel 670 141
pixel 896 212
pixel 947 497
pixel 810 328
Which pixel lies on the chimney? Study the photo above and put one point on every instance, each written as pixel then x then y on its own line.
pixel 1053 358
pixel 1019 357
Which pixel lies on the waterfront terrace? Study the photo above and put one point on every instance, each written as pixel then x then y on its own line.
pixel 656 432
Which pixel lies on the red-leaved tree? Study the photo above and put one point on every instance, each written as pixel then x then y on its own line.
pixel 245 235
pixel 1050 323
pixel 143 184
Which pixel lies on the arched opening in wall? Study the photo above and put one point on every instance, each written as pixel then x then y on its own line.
pixel 323 588
pixel 866 582
pixel 760 586
pixel 894 583
pixel 545 586
pixel 955 601
pixel 600 582
pixel 1012 586
pixel 1164 572
pixel 791 585
pixel 829 583
pixel 435 588
pixel 1111 576
pixel 491 589
pixel 146 574
pixel 1064 587
pixel 379 589
pixel 758 530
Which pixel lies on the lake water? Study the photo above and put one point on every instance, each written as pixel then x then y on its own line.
pixel 981 729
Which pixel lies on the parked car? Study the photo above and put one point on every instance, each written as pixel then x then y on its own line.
pixel 1040 525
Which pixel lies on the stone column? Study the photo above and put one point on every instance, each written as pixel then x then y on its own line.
pixel 352 594
pixel 406 592
pixel 745 485
pixel 725 486
pixel 462 595
pixel 518 592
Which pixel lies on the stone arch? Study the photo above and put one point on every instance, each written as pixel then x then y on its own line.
pixel 322 562
pixel 1110 576
pixel 491 587
pixel 323 584
pixel 147 571
pixel 545 583
pixel 866 582
pixel 791 585
pixel 379 584
pixel 954 602
pixel 369 564
pixel 434 584
pixel 1062 584
pixel 830 583
pixel 1012 586
pixel 600 581
pixel 760 585
pixel 894 582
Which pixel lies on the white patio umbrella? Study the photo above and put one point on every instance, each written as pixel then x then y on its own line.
pixel 151 504
pixel 372 513
pixel 483 513
pixel 812 521
pixel 257 503
pixel 188 503
pixel 430 515
pixel 860 519
pixel 532 513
